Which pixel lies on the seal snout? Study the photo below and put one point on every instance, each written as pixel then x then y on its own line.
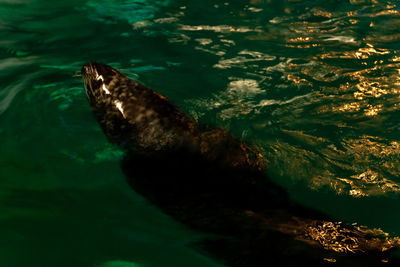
pixel 93 70
pixel 89 70
pixel 85 69
pixel 97 78
pixel 89 74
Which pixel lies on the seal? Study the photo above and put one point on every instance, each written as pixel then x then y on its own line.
pixel 141 119
pixel 215 183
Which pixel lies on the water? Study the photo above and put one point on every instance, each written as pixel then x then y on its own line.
pixel 313 84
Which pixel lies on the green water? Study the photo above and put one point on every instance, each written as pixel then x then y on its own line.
pixel 314 84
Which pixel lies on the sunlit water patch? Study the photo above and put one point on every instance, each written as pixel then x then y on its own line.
pixel 316 80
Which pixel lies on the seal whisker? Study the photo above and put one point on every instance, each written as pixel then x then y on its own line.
pixel 77 74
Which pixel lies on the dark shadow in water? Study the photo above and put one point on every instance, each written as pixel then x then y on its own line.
pixel 253 220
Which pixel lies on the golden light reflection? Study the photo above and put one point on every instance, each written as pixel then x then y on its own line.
pixel 338 55
pixel 366 52
pixel 301 42
pixel 367 88
pixel 373 110
pixel 374 146
pixel 370 177
pixel 349 107
pixel 342 238
pixel 364 152
pixel 298 81
pixel 351 13
pixel 395 59
pixel 370 82
pixel 387 12
pixel 379 160
pixel 298 40
pixel 322 13
pixel 353 21
pixel 361 53
pixel 330 235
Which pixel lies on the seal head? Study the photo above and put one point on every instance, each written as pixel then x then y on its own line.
pixel 132 114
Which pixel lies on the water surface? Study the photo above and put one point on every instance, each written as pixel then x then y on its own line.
pixel 314 85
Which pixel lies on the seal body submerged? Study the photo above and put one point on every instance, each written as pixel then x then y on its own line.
pixel 213 182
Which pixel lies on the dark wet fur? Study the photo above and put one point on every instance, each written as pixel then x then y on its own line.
pixel 214 183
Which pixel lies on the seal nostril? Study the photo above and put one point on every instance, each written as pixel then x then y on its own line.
pixel 85 70
pixel 88 68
